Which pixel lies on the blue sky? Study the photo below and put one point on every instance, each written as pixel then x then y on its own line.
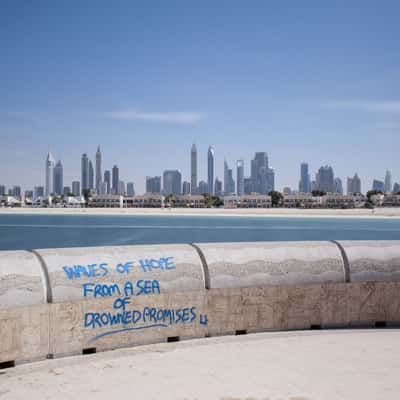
pixel 304 81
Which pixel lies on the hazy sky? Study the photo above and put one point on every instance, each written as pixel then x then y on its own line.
pixel 304 81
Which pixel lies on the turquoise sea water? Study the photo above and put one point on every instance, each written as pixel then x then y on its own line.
pixel 48 231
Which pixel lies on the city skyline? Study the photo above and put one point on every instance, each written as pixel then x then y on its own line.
pixel 317 83
pixel 260 179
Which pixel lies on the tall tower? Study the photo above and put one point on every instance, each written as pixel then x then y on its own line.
pixel 84 172
pixel 49 174
pixel 388 182
pixel 304 186
pixel 58 178
pixel 210 170
pixel 98 170
pixel 240 177
pixel 115 179
pixel 193 169
pixel 91 176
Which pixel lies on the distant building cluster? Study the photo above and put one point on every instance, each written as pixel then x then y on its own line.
pixel 105 187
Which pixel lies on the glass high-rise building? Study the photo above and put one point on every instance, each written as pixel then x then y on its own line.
pixel 240 177
pixel 388 182
pixel 130 189
pixel 325 180
pixel 76 188
pixel 115 179
pixel 58 178
pixel 49 175
pixel 107 180
pixel 210 170
pixel 172 182
pixel 193 169
pixel 354 184
pixel 186 188
pixel 98 170
pixel 153 184
pixel 218 187
pixel 304 184
pixel 84 172
pixel 91 176
pixel 259 171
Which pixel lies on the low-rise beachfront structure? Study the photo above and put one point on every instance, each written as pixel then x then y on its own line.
pixel 301 200
pixel 343 201
pixel 192 201
pixel 391 200
pixel 143 201
pixel 248 201
pixel 106 201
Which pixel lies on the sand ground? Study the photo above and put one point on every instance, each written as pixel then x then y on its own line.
pixel 260 212
pixel 318 365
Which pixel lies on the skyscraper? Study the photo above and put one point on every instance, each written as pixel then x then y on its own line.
pixel 354 184
pixel 2 190
pixel 76 188
pixel 186 187
pixel 325 179
pixel 38 192
pixel 130 189
pixel 98 170
pixel 240 177
pixel 203 187
pixel 270 180
pixel 84 172
pixel 248 185
pixel 193 169
pixel 218 187
pixel 172 182
pixel 304 185
pixel 259 172
pixel 91 176
pixel 388 182
pixel 229 182
pixel 153 184
pixel 115 179
pixel 58 178
pixel 107 180
pixel 338 186
pixel 210 170
pixel 377 185
pixel 396 188
pixel 49 175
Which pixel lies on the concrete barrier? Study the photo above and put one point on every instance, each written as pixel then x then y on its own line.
pixel 24 328
pixel 272 263
pixel 372 260
pixel 95 272
pixel 81 300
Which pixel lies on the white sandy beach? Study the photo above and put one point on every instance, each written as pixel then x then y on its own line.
pixel 217 212
pixel 329 365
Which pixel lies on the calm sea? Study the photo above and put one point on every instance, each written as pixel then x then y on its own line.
pixel 47 231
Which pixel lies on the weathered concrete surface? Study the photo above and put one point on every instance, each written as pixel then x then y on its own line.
pixel 272 263
pixel 24 333
pixel 373 260
pixel 71 336
pixel 21 280
pixel 329 365
pixel 179 270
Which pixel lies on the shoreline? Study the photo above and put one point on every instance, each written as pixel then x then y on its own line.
pixel 385 213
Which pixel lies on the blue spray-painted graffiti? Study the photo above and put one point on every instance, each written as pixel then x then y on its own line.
pixel 136 288
pixel 149 315
pixel 96 270
pixel 130 319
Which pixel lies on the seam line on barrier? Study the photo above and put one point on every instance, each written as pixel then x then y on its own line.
pixel 204 264
pixel 49 294
pixel 346 264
